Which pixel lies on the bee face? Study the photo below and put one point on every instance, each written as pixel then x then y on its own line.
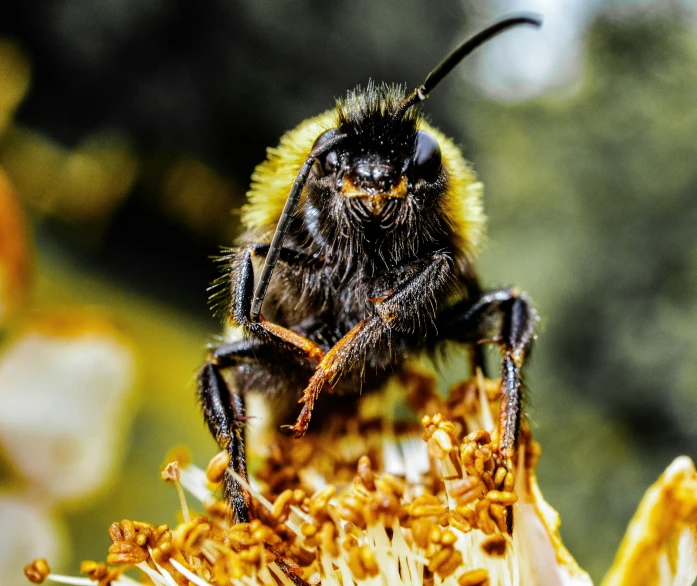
pixel 378 178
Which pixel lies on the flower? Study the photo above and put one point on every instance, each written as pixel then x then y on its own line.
pixel 66 377
pixel 440 510
pixel 370 500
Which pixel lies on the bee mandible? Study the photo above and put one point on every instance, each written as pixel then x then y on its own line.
pixel 368 220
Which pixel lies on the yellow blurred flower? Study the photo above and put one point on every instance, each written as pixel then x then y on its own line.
pixel 65 380
pixel 15 257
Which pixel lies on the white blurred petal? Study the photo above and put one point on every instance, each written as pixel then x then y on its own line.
pixel 543 559
pixel 63 399
pixel 27 531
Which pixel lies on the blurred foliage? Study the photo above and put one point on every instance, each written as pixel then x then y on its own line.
pixel 196 92
pixel 595 194
pixel 143 123
pixel 14 72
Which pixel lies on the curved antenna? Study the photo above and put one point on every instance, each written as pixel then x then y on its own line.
pixel 449 63
pixel 284 223
pixel 419 95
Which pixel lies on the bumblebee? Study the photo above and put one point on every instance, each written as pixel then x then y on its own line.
pixel 371 219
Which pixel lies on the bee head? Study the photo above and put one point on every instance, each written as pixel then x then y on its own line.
pixel 381 169
pixel 376 164
pixel 375 167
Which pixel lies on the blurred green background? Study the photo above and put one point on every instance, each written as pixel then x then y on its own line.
pixel 130 128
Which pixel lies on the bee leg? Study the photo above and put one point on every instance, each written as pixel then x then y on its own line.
pixel 469 322
pixel 224 412
pixel 243 289
pixel 400 309
pixel 344 353
pixel 477 359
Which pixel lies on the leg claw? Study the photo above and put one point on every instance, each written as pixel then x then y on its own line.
pixel 296 429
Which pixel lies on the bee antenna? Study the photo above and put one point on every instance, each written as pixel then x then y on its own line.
pixel 284 223
pixel 449 63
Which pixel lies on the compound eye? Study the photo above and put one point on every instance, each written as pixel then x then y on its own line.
pixel 324 138
pixel 426 161
pixel 326 163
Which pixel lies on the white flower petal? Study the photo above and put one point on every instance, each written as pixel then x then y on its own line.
pixel 27 531
pixel 543 559
pixel 63 398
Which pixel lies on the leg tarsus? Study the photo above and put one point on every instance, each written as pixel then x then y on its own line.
pixel 517 334
pixel 509 413
pixel 285 568
pixel 344 353
pixel 470 322
pixel 310 394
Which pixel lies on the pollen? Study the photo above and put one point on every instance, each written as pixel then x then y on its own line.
pixel 37 571
pixel 428 502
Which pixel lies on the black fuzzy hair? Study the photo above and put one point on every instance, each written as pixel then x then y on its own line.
pixel 370 111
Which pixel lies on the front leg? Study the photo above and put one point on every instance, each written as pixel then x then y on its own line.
pixel 406 308
pixel 242 287
pixel 223 406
